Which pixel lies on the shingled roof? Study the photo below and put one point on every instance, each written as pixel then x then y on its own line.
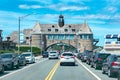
pixel 79 28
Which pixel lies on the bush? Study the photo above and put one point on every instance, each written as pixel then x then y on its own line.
pixel 6 51
pixel 35 50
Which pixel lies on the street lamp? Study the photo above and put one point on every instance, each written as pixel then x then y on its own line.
pixel 19 19
pixel 77 34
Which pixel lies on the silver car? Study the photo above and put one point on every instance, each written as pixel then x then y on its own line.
pixel 67 58
pixel 53 55
pixel 10 60
pixel 30 58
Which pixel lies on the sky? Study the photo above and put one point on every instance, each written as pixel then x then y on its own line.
pixel 102 16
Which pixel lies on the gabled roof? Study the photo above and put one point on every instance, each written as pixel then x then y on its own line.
pixel 79 28
pixel 37 28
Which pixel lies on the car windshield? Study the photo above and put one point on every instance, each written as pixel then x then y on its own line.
pixel 26 55
pixel 103 56
pixel 67 54
pixel 6 56
pixel 52 52
pixel 45 53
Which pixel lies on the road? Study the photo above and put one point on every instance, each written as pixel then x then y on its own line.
pixel 45 69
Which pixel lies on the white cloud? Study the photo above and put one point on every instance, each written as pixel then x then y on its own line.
pixel 24 6
pixel 92 16
pixel 112 9
pixel 73 8
pixel 40 1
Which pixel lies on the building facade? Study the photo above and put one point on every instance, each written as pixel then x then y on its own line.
pixel 43 36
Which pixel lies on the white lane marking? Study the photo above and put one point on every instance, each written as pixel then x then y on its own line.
pixel 89 70
pixel 22 69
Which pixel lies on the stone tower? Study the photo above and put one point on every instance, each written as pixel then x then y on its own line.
pixel 61 21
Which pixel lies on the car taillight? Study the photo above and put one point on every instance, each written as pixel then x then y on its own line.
pixel 114 64
pixel 62 56
pixel 72 57
pixel 99 59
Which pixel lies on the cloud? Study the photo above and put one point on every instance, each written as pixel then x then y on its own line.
pixel 73 8
pixel 92 16
pixel 40 1
pixel 24 6
pixel 112 9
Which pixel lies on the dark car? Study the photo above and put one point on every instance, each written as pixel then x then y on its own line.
pixel 98 60
pixel 84 57
pixel 118 76
pixel 1 65
pixel 22 60
pixel 79 55
pixel 90 58
pixel 111 65
pixel 45 54
pixel 10 60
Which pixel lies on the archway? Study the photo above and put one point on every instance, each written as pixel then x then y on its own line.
pixel 61 47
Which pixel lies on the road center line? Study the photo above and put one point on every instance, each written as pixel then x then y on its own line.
pixel 50 75
pixel 88 70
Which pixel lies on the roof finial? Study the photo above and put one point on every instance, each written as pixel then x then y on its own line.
pixel 85 23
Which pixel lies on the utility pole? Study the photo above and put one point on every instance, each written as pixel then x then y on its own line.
pixel 19 20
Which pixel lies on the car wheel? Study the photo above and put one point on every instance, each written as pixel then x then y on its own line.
pixel 109 73
pixel 96 67
pixel 61 64
pixel 12 65
pixel 17 66
pixel 103 72
pixel 2 71
pixel 73 64
pixel 118 78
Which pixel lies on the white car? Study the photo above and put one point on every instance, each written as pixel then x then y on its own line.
pixel 67 58
pixel 30 58
pixel 53 55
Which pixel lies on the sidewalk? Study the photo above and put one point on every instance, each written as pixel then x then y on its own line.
pixel 37 58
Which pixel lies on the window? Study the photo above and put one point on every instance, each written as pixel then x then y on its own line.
pixel 56 30
pixel 49 30
pixel 73 30
pixel 66 30
pixel 53 26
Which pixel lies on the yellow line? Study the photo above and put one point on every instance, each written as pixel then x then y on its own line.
pixel 50 75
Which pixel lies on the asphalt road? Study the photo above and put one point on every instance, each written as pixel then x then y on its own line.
pixel 45 69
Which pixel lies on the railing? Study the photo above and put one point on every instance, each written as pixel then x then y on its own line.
pixel 112 45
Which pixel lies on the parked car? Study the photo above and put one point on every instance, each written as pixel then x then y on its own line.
pixel 45 54
pixel 67 58
pixel 84 57
pixel 30 58
pixel 22 60
pixel 118 75
pixel 1 65
pixel 98 60
pixel 10 60
pixel 79 55
pixel 89 58
pixel 111 65
pixel 53 55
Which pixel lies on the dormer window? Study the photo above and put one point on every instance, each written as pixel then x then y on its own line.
pixel 66 30
pixel 69 26
pixel 49 30
pixel 53 26
pixel 73 30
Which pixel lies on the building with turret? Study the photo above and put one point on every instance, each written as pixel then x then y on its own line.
pixel 43 36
